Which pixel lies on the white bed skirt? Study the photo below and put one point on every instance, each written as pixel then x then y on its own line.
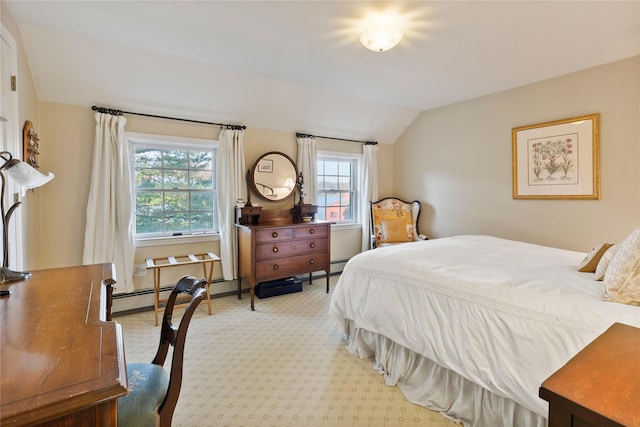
pixel 425 383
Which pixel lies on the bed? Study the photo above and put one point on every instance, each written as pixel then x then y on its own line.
pixel 471 325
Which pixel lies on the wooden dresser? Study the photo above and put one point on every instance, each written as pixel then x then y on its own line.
pixel 61 361
pixel 599 386
pixel 277 247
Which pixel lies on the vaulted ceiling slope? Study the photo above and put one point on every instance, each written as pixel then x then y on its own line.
pixel 298 65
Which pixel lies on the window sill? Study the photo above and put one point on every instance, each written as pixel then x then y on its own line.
pixel 347 226
pixel 176 240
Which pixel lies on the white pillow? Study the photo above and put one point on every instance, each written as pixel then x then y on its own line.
pixel 604 262
pixel 622 278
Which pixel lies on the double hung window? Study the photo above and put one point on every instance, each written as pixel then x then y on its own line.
pixel 175 186
pixel 337 187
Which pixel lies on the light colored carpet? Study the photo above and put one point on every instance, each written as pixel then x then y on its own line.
pixel 281 365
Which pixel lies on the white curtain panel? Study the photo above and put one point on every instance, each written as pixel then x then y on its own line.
pixel 109 230
pixel 369 186
pixel 307 164
pixel 232 185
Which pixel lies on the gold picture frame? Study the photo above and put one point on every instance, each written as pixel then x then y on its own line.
pixel 557 160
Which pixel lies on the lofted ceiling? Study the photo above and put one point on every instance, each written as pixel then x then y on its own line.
pixel 299 66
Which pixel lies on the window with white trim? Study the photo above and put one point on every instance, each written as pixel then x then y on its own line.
pixel 338 187
pixel 174 186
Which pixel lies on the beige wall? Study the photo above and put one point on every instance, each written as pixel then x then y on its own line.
pixel 69 132
pixel 457 161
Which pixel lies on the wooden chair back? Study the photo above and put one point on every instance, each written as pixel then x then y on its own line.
pixel 176 337
pixel 154 390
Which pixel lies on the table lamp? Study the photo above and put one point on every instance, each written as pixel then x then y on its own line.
pixel 26 178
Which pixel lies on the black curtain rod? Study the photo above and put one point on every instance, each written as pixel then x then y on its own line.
pixel 120 112
pixel 307 135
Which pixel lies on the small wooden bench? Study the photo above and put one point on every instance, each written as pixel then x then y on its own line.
pixel 158 264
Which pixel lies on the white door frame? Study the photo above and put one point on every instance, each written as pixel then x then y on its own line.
pixel 11 140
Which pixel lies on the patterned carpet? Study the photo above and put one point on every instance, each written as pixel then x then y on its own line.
pixel 281 365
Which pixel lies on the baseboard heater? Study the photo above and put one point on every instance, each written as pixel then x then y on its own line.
pixel 168 288
pixel 141 300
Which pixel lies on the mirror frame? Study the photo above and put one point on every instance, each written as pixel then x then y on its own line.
pixel 253 180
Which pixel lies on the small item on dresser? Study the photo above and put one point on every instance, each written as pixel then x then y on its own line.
pixel 307 218
pixel 300 211
pixel 248 214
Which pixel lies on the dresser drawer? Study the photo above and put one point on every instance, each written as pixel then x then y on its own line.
pixel 311 231
pixel 274 235
pixel 283 267
pixel 294 247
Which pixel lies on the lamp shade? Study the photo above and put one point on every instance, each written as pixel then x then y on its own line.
pixel 288 183
pixel 380 38
pixel 26 177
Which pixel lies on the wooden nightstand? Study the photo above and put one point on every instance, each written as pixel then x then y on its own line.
pixel 599 386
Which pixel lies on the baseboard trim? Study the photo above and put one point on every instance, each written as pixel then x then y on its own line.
pixel 127 298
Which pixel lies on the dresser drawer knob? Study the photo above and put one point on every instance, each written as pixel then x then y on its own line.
pixel 312 261
pixel 311 231
pixel 312 245
pixel 275 266
pixel 275 249
pixel 274 234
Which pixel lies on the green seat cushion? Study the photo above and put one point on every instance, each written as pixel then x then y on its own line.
pixel 148 385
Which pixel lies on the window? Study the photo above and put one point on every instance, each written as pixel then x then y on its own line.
pixel 337 187
pixel 174 186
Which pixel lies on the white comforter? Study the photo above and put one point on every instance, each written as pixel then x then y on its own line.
pixel 503 314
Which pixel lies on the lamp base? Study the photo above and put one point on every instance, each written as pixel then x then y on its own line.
pixel 7 275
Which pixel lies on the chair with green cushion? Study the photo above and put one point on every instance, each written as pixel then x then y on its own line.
pixel 153 391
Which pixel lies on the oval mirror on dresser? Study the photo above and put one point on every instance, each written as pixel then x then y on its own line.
pixel 273 176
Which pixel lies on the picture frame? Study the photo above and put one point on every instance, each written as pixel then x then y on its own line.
pixel 265 165
pixel 558 159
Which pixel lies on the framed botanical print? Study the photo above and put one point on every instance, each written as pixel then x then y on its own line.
pixel 557 160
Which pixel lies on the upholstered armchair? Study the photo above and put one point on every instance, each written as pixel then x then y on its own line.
pixel 395 221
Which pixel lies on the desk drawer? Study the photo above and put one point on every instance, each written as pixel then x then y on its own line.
pixel 311 231
pixel 294 247
pixel 290 266
pixel 274 235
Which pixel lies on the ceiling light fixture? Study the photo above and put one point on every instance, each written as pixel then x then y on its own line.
pixel 381 30
pixel 380 38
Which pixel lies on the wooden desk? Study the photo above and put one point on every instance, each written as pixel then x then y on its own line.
pixel 599 386
pixel 61 362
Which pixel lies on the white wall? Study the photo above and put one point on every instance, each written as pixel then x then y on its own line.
pixel 457 161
